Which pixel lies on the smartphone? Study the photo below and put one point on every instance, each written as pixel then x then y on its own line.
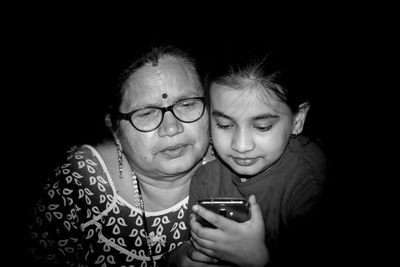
pixel 236 209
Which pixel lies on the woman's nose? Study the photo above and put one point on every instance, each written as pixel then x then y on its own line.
pixel 170 125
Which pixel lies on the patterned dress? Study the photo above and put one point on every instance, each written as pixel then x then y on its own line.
pixel 82 221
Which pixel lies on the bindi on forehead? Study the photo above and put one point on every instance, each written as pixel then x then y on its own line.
pixel 160 77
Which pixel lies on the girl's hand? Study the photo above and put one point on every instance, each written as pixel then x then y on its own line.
pixel 240 243
pixel 186 256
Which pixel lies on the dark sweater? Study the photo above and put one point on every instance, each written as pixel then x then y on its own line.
pixel 288 193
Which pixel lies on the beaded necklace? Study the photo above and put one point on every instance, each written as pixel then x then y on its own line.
pixel 139 201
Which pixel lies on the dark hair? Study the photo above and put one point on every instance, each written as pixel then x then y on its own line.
pixel 152 56
pixel 271 71
pixel 288 73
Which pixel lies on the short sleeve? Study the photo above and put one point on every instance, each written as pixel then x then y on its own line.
pixel 54 232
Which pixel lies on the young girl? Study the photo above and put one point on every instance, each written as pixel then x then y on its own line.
pixel 257 115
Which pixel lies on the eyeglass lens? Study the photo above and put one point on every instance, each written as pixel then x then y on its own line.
pixel 187 110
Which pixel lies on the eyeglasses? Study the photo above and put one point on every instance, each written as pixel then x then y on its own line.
pixel 150 118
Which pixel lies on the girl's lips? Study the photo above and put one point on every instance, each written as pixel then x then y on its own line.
pixel 244 161
pixel 174 151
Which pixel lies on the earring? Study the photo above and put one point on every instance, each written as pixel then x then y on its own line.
pixel 212 147
pixel 119 153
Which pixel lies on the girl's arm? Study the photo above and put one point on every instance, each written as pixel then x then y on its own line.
pixel 186 256
pixel 240 243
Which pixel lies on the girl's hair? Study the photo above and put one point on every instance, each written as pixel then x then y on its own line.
pixel 271 72
pixel 150 57
pixel 285 74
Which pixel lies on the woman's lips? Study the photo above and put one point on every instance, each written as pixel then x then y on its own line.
pixel 174 151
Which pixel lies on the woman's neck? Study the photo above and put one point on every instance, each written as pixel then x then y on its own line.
pixel 157 197
pixel 163 193
pixel 158 194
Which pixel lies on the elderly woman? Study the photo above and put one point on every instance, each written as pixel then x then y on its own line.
pixel 123 202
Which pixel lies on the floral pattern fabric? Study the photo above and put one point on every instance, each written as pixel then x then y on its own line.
pixel 82 221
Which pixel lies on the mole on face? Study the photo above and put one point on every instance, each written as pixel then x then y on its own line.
pixel 164 95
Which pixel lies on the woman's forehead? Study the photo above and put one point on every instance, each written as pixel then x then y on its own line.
pixel 170 79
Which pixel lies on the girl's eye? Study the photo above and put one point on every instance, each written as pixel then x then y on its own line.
pixel 263 128
pixel 223 126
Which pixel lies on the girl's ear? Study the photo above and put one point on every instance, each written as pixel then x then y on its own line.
pixel 300 118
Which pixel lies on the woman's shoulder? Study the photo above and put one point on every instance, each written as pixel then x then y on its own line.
pixel 79 178
pixel 81 165
pixel 80 152
pixel 82 158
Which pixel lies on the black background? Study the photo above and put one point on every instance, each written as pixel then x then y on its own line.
pixel 62 59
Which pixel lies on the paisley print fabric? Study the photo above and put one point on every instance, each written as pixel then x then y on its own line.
pixel 82 221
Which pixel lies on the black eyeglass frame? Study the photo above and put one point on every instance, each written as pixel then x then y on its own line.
pixel 128 116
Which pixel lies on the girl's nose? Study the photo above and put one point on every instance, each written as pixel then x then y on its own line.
pixel 242 141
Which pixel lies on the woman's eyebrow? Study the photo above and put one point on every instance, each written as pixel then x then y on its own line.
pixel 160 103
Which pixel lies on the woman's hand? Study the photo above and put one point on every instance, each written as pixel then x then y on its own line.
pixel 240 243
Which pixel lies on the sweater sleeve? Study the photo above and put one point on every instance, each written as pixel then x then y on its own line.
pixel 54 232
pixel 198 186
pixel 306 194
pixel 300 235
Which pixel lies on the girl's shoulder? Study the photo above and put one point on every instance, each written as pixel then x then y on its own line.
pixel 310 157
pixel 212 172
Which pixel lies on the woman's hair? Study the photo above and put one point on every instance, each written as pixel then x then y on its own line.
pixel 150 57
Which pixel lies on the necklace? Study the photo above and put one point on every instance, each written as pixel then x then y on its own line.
pixel 139 201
